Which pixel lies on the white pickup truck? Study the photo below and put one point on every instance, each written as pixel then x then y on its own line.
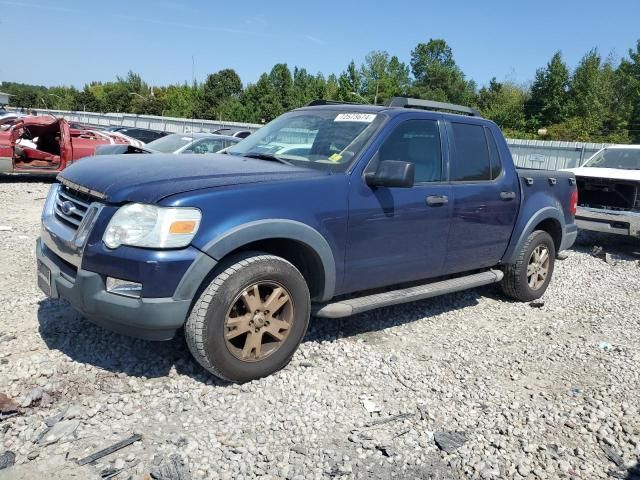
pixel 609 191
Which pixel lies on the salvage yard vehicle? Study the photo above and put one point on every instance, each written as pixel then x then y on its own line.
pixel 391 204
pixel 609 191
pixel 233 132
pixel 145 135
pixel 45 145
pixel 180 143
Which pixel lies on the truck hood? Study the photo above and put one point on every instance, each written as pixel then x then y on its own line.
pixel 612 173
pixel 149 178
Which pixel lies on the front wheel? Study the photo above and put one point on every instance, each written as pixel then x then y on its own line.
pixel 249 321
pixel 528 278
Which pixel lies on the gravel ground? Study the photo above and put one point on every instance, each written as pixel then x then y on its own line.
pixel 464 386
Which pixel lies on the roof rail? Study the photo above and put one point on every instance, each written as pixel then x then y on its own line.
pixel 314 103
pixel 406 102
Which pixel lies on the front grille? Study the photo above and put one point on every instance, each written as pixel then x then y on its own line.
pixel 71 207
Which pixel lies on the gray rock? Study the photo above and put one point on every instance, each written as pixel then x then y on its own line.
pixel 58 431
pixel 449 441
pixel 7 459
pixel 32 397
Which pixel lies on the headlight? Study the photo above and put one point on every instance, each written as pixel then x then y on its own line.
pixel 141 225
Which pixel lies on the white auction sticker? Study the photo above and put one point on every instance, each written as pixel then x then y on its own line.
pixel 355 117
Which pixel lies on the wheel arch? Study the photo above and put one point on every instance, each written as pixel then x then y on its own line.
pixel 547 219
pixel 294 241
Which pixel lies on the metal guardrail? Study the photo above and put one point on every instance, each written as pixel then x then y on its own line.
pixel 540 154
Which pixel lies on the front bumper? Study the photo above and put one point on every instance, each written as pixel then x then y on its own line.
pixel 609 221
pixel 148 318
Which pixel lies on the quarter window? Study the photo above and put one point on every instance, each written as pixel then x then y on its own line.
pixel 471 159
pixel 494 155
pixel 417 142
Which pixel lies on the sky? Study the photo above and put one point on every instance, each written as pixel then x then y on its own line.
pixel 67 42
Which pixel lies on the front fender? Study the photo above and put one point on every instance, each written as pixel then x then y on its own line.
pixel 518 240
pixel 244 234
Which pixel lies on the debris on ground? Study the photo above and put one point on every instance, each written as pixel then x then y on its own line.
pixel 610 259
pixel 7 405
pixel 173 469
pixel 5 228
pixel 370 406
pixel 612 455
pixel 536 304
pixel 35 395
pixel 377 423
pixel 449 442
pixel 7 459
pixel 59 431
pixel 606 346
pixel 596 251
pixel 109 450
pixel 562 256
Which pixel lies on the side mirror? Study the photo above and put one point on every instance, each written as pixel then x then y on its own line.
pixel 392 173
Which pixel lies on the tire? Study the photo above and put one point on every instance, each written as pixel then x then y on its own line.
pixel 223 309
pixel 516 283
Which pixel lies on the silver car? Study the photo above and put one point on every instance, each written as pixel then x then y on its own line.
pixel 191 143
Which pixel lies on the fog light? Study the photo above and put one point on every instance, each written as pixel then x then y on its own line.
pixel 124 287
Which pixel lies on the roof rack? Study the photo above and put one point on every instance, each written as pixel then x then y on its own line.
pixel 314 103
pixel 406 102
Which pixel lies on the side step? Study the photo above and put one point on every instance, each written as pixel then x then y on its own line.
pixel 351 306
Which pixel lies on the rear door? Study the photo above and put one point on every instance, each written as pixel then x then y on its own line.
pixel 485 198
pixel 400 235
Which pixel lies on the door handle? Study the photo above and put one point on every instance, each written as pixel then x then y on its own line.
pixel 507 195
pixel 437 200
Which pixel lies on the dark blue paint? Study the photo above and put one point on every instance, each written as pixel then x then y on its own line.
pixel 377 237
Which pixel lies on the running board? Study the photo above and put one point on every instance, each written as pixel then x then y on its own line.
pixel 351 306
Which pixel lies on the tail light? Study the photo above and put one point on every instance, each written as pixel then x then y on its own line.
pixel 573 207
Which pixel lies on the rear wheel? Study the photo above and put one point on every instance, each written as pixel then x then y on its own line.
pixel 528 278
pixel 249 321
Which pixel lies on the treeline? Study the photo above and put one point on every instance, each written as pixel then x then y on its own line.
pixel 599 101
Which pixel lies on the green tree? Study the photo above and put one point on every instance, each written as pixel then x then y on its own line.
pixel 350 85
pixel 548 102
pixel 628 89
pixel 331 88
pixel 216 88
pixel 504 104
pixel 437 76
pixel 383 77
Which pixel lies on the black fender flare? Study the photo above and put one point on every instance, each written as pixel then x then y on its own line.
pixel 546 213
pixel 257 230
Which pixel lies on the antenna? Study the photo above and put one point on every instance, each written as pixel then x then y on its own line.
pixel 194 97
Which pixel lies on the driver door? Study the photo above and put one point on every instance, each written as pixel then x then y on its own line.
pixel 399 235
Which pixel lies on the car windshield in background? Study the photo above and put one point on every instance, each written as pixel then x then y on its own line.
pixel 626 159
pixel 170 143
pixel 322 139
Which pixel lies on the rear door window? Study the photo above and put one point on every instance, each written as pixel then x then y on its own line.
pixel 471 153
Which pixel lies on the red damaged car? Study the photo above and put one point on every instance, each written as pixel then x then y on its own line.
pixel 47 145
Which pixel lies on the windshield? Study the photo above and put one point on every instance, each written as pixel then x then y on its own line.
pixel 626 159
pixel 322 139
pixel 170 143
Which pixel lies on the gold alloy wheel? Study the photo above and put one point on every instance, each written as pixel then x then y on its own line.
pixel 538 267
pixel 259 321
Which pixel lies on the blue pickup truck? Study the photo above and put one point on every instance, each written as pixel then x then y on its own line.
pixel 329 210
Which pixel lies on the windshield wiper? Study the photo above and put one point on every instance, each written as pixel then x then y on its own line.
pixel 267 156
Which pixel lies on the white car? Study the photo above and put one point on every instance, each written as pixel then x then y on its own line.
pixel 609 191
